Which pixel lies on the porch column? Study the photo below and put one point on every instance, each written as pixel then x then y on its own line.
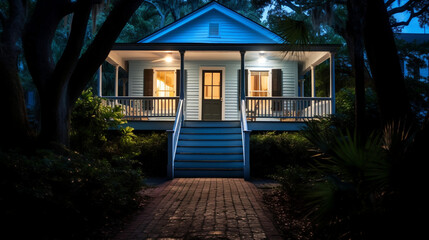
pixel 182 74
pixel 243 76
pixel 100 81
pixel 332 81
pixel 313 82
pixel 116 79
pixel 313 90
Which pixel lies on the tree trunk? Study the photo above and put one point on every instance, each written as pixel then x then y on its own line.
pixel 354 30
pixel 384 64
pixel 14 120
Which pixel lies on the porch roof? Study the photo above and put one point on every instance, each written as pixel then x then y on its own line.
pixel 305 55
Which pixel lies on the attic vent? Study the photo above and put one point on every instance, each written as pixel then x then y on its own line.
pixel 214 30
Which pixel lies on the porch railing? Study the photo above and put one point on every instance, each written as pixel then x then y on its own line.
pixel 141 108
pixel 295 108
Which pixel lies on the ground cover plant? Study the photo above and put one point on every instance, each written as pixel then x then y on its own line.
pixel 81 192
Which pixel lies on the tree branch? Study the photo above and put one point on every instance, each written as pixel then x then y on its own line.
pixel 75 42
pixel 158 8
pixel 388 3
pixel 412 15
pixel 99 49
pixel 406 7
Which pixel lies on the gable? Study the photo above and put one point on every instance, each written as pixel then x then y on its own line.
pixel 202 25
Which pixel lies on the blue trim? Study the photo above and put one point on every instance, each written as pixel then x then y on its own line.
pixel 206 8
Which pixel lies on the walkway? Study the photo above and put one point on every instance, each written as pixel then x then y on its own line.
pixel 203 208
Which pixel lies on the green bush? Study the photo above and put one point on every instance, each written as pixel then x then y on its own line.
pixel 271 150
pixel 90 120
pixel 48 195
pixel 154 153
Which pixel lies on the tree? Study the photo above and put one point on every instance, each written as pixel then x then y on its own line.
pixel 14 117
pixel 60 83
pixel 364 21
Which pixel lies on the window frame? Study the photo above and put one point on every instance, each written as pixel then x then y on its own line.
pixel 249 79
pixel 155 70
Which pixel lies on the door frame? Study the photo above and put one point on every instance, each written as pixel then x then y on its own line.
pixel 200 99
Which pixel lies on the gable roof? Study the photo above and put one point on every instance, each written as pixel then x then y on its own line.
pixel 194 28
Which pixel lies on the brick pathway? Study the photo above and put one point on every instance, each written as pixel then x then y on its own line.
pixel 203 208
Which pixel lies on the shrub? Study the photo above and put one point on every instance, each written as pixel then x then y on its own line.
pixel 90 120
pixel 271 150
pixel 154 153
pixel 67 195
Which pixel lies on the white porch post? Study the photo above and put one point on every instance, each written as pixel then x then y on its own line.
pixel 313 82
pixel 100 81
pixel 332 81
pixel 313 90
pixel 116 80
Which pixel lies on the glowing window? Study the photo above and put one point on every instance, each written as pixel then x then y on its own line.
pixel 165 83
pixel 259 84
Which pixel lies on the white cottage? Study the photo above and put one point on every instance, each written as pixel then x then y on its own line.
pixel 209 79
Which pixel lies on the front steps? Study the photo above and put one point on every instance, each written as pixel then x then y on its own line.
pixel 209 149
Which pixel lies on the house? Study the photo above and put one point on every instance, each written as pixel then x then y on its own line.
pixel 418 40
pixel 212 77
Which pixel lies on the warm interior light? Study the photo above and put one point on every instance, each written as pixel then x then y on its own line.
pixel 168 58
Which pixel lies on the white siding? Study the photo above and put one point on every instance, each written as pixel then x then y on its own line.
pixel 230 88
pixel 230 31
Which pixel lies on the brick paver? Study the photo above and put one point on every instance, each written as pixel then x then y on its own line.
pixel 203 208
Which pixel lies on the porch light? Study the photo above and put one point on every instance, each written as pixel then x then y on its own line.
pixel 262 58
pixel 169 58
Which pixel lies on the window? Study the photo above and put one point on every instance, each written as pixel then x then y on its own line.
pixel 165 85
pixel 259 84
pixel 214 30
pixel 212 85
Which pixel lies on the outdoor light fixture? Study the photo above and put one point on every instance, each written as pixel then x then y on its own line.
pixel 169 58
pixel 262 58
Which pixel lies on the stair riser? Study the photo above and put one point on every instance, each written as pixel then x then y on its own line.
pixel 210 137
pixel 211 124
pixel 217 165
pixel 210 150
pixel 210 130
pixel 209 143
pixel 191 157
pixel 219 174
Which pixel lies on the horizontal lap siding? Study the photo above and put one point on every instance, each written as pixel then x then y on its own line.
pixel 230 31
pixel 193 90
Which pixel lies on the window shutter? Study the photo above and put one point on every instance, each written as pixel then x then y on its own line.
pixel 148 82
pixel 277 80
pixel 148 88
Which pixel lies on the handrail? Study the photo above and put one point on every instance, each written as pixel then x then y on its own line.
pixel 175 136
pixel 144 107
pixel 297 108
pixel 245 138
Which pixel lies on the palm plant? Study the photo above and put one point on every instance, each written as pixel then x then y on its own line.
pixel 362 180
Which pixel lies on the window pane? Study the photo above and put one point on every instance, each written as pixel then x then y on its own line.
pixel 216 92
pixel 216 78
pixel 207 92
pixel 165 84
pixel 259 83
pixel 207 78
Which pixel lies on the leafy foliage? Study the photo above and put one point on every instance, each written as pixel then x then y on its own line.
pixel 154 154
pixel 90 121
pixel 270 150
pixel 64 195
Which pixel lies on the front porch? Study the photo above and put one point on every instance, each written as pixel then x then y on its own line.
pixel 144 113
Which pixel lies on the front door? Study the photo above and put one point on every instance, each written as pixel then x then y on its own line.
pixel 212 95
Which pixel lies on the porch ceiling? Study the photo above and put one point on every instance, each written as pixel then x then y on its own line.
pixel 306 59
